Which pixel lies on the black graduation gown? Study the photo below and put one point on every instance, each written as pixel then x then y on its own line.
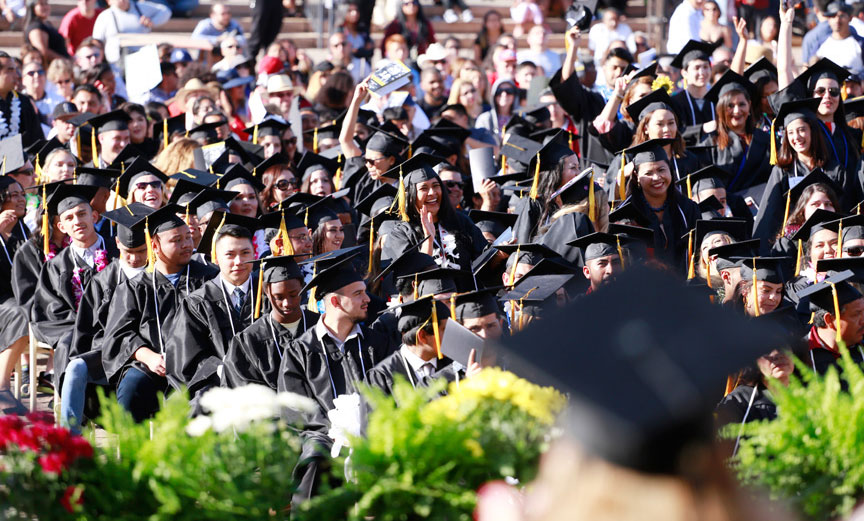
pixel 204 326
pixel 13 321
pixel 733 407
pixel 254 355
pixel 842 145
pixel 26 267
pixel 746 165
pixel 470 242
pixel 565 229
pixel 354 177
pixel 384 374
pixel 681 167
pixel 619 137
pixel 132 319
pixel 106 230
pixel 821 359
pixel 680 216
pixel 54 304
pixel 583 106
pixel 527 225
pixel 387 325
pixel 690 116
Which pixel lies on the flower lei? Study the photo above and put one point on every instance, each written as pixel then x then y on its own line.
pixel 446 258
pixel 53 249
pixel 15 110
pixel 100 258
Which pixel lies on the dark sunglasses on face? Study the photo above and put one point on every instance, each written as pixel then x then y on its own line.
pixel 286 184
pixel 511 92
pixel 453 184
pixel 833 91
pixel 143 186
pixel 291 141
pixel 854 251
pixel 369 161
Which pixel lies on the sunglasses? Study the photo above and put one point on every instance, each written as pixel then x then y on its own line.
pixel 291 141
pixel 35 73
pixel 453 184
pixel 284 184
pixel 834 92
pixel 854 251
pixel 143 186
pixel 372 161
pixel 511 92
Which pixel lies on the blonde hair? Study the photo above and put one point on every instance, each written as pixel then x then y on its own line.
pixel 60 67
pixel 601 207
pixel 177 156
pixel 455 90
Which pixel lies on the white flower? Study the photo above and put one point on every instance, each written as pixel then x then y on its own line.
pixel 198 426
pixel 237 408
pixel 297 402
pixel 344 421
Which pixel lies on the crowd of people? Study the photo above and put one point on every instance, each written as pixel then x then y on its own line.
pixel 258 217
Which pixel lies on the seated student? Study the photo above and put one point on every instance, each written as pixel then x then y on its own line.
pixel 836 319
pixel 142 314
pixel 603 258
pixel 63 278
pixel 751 399
pixel 480 313
pixel 211 316
pixel 329 359
pixel 711 181
pixel 727 267
pixel 83 362
pixel 418 361
pixel 760 290
pixel 255 353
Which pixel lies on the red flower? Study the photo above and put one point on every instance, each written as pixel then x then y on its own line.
pixel 71 493
pixel 79 447
pixel 53 462
pixel 25 439
pixel 40 417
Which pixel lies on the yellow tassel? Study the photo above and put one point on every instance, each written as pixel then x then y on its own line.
pixel 755 292
pixel 622 191
pixel 165 133
pixel 306 218
pixel 503 164
pixel 337 178
pixel 731 384
pixel 78 143
pixel 151 255
pixel 258 292
pixel 415 287
pixel 315 140
pixel 453 306
pixel 312 305
pixel 620 251
pixel 839 252
pixel 371 243
pixel 707 265
pixel 403 211
pixel 858 209
pixel 798 259
pixel 786 212
pixel 255 135
pixel 95 150
pixel 689 188
pixel 286 241
pixel 591 202
pixel 536 184
pixel 521 315
pixel 838 337
pixel 690 259
pixel 186 218
pixel 435 330
pixel 213 245
pixel 570 141
pixel 46 241
pixel 773 137
pixel 410 151
pixel 513 269
pixel 38 170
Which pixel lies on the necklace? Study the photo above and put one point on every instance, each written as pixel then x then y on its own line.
pixel 15 110
pixel 660 208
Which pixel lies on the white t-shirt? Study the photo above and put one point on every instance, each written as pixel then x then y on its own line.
pixel 684 25
pixel 845 53
pixel 600 36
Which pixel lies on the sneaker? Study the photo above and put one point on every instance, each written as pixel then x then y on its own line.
pixel 11 405
pixel 450 16
pixel 45 383
pixel 467 16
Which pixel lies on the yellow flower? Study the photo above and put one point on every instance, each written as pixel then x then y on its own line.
pixel 663 81
pixel 474 447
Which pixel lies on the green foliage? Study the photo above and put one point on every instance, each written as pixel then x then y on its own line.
pixel 811 455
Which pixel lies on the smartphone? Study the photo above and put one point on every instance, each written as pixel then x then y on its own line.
pixel 751 204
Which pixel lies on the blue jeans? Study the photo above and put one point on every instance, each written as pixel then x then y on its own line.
pixel 138 392
pixel 73 394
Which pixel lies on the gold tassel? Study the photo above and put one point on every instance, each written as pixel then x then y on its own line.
pixel 165 133
pixel 255 135
pixel 707 265
pixel 622 191
pixel 258 292
pixel 503 164
pixel 312 305
pixel 731 383
pixel 839 252
pixel 620 251
pixel 151 255
pixel 786 212
pixel 38 170
pixel 46 230
pixel 521 314
pixel 95 150
pixel 401 197
pixel 689 188
pixel 371 243
pixel 536 184
pixel 755 292
pixel 773 136
pixel 798 259
pixel 690 257
pixel 513 269
pixel 838 336
pixel 591 201
pixel 570 141
pixel 78 143
pixel 410 151
pixel 306 218
pixel 315 140
pixel 415 287
pixel 453 306
pixel 435 330
pixel 286 241
pixel 213 244
pixel 337 177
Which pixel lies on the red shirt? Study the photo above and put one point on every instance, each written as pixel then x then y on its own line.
pixel 75 27
pixel 814 342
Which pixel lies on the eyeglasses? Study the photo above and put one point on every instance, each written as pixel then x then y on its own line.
pixel 143 186
pixel 370 161
pixel 511 92
pixel 834 92
pixel 291 141
pixel 453 184
pixel 286 184
pixel 301 237
pixel 35 73
pixel 854 251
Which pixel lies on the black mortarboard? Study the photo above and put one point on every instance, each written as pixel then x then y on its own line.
pixel 537 114
pixel 768 269
pixel 853 227
pixel 130 223
pixel 650 349
pixel 630 213
pixel 137 168
pixel 711 208
pixel 730 81
pixel 42 152
pixel 235 175
pixel 792 92
pixel 273 220
pixel 436 281
pixel 271 126
pixel 218 220
pixel 762 68
pixel 163 130
pixel 184 191
pixel 207 201
pixel 529 253
pixel 476 304
pixel 338 273
pixel 550 154
pixel 854 108
pixel 165 219
pixel 519 126
pixel 694 50
pixel 279 269
pixel 319 215
pixel 838 265
pixel 824 68
pixel 444 141
pixel 648 152
pixel 816 176
pixel 387 143
pixel 737 229
pixel 206 131
pixel 657 100
pixel 815 223
pixel 311 162
pixel 536 288
pixel 640 239
pixel 520 149
pixel 415 170
pixel 277 159
pixel 327 131
pixel 99 177
pixel 249 153
pixel 728 254
pixel 201 178
pixel 710 177
pixel 115 120
pixel 419 311
pixel 580 14
pixel 380 198
pixel 411 261
pixel 649 70
pixel 577 189
pixel 129 153
pixel 798 109
pixel 821 294
pixel 34 147
pixel 492 222
pixel 598 244
pixel 66 197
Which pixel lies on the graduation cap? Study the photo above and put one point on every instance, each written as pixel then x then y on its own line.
pixel 657 100
pixel 649 71
pixel 838 265
pixel 205 201
pixel 66 197
pixel 435 281
pixel 319 214
pixel 279 269
pixel 42 152
pixel 520 126
pixel 163 130
pixel 817 222
pixel 138 168
pixel 546 159
pixel 130 223
pixel 277 159
pixel 580 14
pixel 728 254
pixel 650 348
pixel 730 81
pixel 312 162
pixel 761 69
pixel 578 189
pixel 379 199
pixel 129 153
pixel 628 212
pixel 831 295
pixel 646 152
pixel 847 228
pixel 711 208
pixel 853 108
pixel 492 222
pixel 475 304
pixel 411 261
pixel 248 153
pixel 283 221
pixel 270 126
pixel 528 253
pixel 420 312
pixel 99 177
pixel 824 68
pixel 390 144
pixel 201 178
pixel 531 293
pixel 236 175
pixel 218 220
pixel 443 141
pixel 640 239
pixel 520 149
pixel 736 229
pixel 330 130
pixel 415 170
pixel 694 50
pixel 599 244
pixel 205 131
pixel 797 109
pixel 114 120
pixel 707 178
pixel 537 114
pixel 816 176
pixel 338 273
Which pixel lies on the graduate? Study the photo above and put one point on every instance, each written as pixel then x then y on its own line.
pixel 604 257
pixel 82 365
pixel 479 312
pixel 142 182
pixel 255 353
pixel 761 288
pixel 728 268
pixel 268 134
pixel 103 179
pixel 711 182
pixel 111 132
pixel 691 104
pixel 329 359
pixel 63 278
pixel 142 314
pixel 287 234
